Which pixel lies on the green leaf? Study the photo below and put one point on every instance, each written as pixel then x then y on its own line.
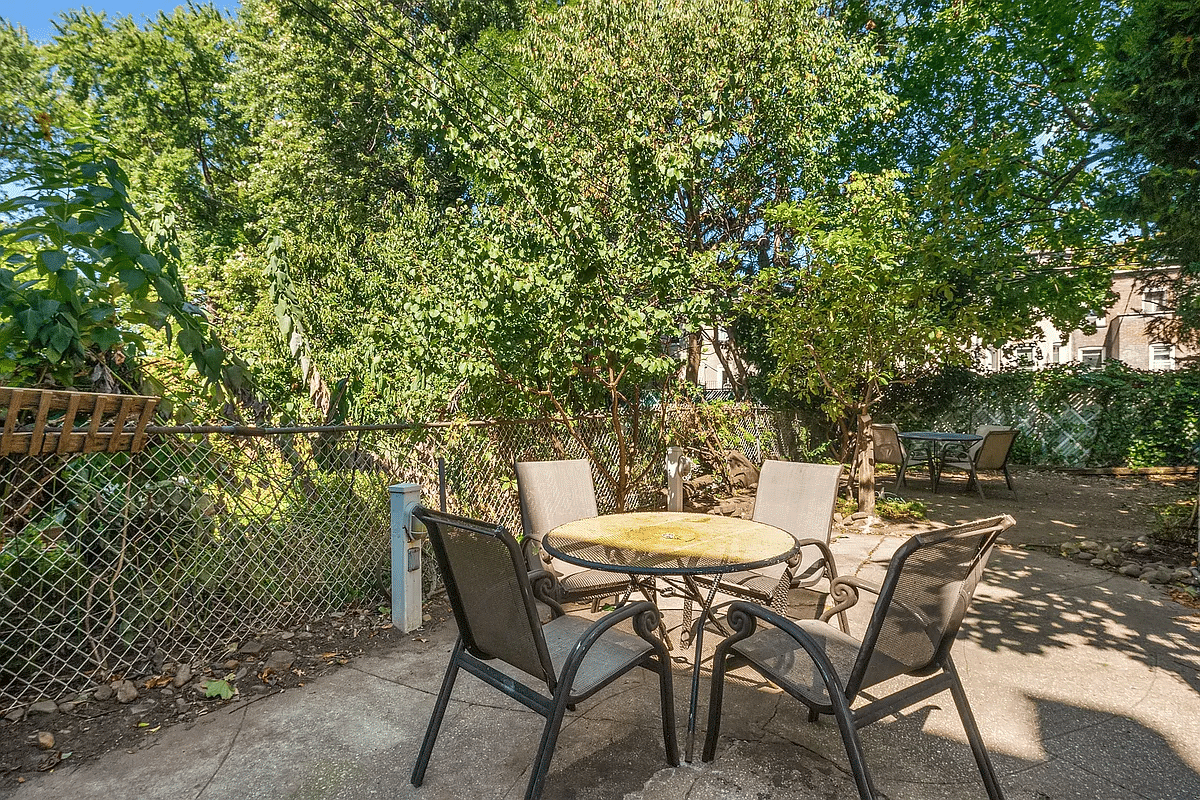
pixel 52 260
pixel 219 688
pixel 190 341
pixel 133 279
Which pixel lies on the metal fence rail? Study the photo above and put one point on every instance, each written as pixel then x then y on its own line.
pixel 112 564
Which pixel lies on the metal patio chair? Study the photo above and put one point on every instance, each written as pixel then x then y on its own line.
pixel 490 592
pixel 889 449
pixel 798 498
pixel 553 493
pixel 990 452
pixel 918 610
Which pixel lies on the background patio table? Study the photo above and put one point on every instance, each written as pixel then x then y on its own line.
pixel 938 439
pixel 676 544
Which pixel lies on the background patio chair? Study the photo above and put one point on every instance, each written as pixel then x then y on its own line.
pixel 990 452
pixel 889 449
pixel 553 493
pixel 798 498
pixel 489 590
pixel 929 585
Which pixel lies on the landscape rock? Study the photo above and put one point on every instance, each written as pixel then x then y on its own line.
pixel 1143 550
pixel 1089 545
pixel 280 661
pixel 1132 570
pixel 45 740
pixel 1083 555
pixel 1156 576
pixel 15 715
pixel 1126 546
pixel 182 676
pixel 1181 575
pixel 859 515
pixel 1069 549
pixel 1099 562
pixel 44 707
pixel 251 648
pixel 103 693
pixel 1113 559
pixel 126 692
pixel 742 472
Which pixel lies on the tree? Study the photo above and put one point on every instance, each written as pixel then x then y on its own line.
pixel 86 278
pixel 1149 102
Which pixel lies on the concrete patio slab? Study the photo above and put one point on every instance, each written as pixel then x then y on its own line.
pixel 1085 685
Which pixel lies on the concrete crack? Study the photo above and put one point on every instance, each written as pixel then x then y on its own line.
pixel 232 740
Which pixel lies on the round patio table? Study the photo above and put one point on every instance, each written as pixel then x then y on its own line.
pixel 672 543
pixel 939 439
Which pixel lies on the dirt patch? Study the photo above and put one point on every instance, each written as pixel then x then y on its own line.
pixel 109 716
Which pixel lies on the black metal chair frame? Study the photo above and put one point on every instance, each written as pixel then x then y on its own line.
pixel 470 657
pixel 939 673
pixel 960 458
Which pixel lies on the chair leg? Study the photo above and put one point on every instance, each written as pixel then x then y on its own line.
pixel 715 698
pixel 439 712
pixel 978 483
pixel 858 765
pixel 667 698
pixel 986 770
pixel 1008 480
pixel 541 762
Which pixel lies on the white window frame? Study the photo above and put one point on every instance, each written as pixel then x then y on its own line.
pixel 1154 301
pixel 1170 352
pixel 1097 318
pixel 1026 356
pixel 1086 354
pixel 1056 354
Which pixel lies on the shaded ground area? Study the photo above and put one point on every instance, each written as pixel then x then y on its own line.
pixel 1085 683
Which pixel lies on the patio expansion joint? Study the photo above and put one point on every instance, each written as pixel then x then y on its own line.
pixel 229 749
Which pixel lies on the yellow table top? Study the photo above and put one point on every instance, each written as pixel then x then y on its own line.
pixel 669 542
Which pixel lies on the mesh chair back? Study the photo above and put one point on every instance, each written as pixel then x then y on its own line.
pixel 992 452
pixel 553 493
pixel 929 585
pixel 798 498
pixel 888 448
pixel 983 431
pixel 488 587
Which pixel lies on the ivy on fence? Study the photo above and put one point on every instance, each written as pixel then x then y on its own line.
pixel 1069 414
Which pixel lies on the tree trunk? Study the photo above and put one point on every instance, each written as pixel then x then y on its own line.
pixel 866 465
pixel 694 347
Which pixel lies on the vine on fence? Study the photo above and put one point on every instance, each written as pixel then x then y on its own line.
pixel 1069 414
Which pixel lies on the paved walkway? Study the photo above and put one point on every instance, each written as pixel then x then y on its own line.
pixel 1085 685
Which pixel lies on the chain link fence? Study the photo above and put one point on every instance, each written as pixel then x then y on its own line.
pixel 114 563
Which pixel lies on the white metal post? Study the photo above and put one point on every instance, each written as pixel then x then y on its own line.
pixel 407 535
pixel 679 466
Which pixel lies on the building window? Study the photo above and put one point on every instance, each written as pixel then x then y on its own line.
pixel 1154 301
pixel 1091 355
pixel 1056 354
pixel 1026 355
pixel 1162 356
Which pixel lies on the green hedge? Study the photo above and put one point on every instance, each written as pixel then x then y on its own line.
pixel 1070 414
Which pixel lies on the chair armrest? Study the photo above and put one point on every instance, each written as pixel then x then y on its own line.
pixel 546 589
pixel 825 559
pixel 843 591
pixel 743 617
pixel 646 618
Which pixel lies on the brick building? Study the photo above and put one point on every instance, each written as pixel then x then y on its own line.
pixel 1124 331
